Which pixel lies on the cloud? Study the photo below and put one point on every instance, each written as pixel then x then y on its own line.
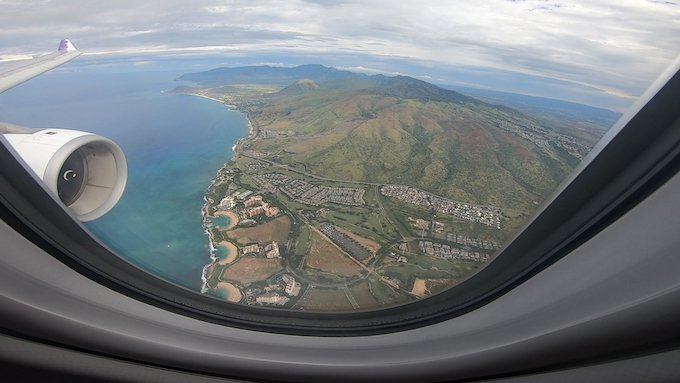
pixel 610 46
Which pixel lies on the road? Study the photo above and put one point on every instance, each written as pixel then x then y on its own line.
pixel 288 168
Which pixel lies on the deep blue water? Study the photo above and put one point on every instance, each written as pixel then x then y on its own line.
pixel 174 145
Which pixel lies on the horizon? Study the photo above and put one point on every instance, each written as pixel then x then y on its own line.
pixel 201 63
pixel 604 53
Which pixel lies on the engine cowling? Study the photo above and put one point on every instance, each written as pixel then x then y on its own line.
pixel 86 171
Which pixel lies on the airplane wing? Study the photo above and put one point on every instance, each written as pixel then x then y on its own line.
pixel 39 65
pixel 94 171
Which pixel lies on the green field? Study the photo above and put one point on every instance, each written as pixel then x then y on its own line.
pixel 384 294
pixel 325 300
pixel 370 225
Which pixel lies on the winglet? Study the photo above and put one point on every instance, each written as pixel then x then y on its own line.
pixel 66 46
pixel 31 68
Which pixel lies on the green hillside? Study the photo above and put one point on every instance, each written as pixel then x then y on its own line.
pixel 404 131
pixel 334 153
pixel 451 148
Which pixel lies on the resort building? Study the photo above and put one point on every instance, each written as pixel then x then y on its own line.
pixel 251 249
pixel 255 211
pixel 293 288
pixel 227 202
pixel 271 211
pixel 253 201
pixel 272 250
pixel 262 209
pixel 272 299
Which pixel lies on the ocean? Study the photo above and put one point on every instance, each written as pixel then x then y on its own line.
pixel 174 145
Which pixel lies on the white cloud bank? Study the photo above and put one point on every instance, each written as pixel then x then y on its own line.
pixel 615 47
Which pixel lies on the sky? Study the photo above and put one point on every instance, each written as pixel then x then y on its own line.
pixel 599 52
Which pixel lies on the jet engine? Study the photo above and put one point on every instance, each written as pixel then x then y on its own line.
pixel 86 171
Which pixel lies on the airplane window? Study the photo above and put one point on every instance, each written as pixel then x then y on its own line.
pixel 286 157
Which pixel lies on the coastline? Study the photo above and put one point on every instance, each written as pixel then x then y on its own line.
pixel 200 95
pixel 230 106
pixel 251 130
pixel 233 291
pixel 233 219
pixel 232 253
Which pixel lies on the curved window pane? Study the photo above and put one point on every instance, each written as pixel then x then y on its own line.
pixel 330 166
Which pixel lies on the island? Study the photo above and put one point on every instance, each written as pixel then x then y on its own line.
pixel 355 192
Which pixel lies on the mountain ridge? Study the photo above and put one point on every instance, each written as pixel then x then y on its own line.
pixel 399 130
pixel 270 74
pixel 397 86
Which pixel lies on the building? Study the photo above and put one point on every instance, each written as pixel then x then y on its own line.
pixel 262 209
pixel 293 289
pixel 241 195
pixel 272 250
pixel 272 299
pixel 255 211
pixel 271 211
pixel 253 201
pixel 227 202
pixel 251 249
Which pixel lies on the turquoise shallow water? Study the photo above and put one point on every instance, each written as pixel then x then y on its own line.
pixel 220 221
pixel 174 145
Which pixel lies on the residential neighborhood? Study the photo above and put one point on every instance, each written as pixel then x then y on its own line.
pixel 439 250
pixel 304 192
pixel 486 215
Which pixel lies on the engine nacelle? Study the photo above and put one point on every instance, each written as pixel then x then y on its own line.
pixel 88 172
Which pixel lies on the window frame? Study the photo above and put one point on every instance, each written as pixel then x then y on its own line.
pixel 636 156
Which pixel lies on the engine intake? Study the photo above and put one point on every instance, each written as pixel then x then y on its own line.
pixel 86 171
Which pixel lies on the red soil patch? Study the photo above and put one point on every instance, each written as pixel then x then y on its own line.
pixel 480 138
pixel 524 153
pixel 326 257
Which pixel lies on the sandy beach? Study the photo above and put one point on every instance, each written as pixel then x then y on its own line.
pixel 231 249
pixel 233 218
pixel 204 96
pixel 251 129
pixel 419 288
pixel 233 291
